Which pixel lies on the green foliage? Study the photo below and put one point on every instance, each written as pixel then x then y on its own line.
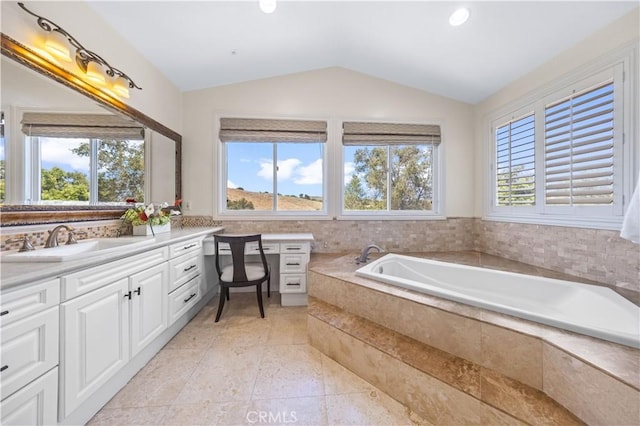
pixel 56 184
pixel 241 204
pixel 120 169
pixel 515 188
pixel 410 178
pixel 2 182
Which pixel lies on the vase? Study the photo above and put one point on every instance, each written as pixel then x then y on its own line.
pixel 143 230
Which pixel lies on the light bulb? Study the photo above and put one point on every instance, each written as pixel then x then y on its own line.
pixel 121 87
pixel 268 6
pixel 57 45
pixel 459 17
pixel 95 74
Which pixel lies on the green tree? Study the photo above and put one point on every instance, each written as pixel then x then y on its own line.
pixel 120 169
pixel 241 204
pixel 516 187
pixel 56 184
pixel 2 182
pixel 410 178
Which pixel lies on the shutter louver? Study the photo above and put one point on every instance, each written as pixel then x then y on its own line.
pixel 579 149
pixel 266 130
pixel 515 159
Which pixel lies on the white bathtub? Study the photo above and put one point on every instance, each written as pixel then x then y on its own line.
pixel 587 309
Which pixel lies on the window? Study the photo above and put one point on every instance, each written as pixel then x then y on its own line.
pixel 273 166
pixel 75 161
pixel 515 160
pixel 389 168
pixel 561 160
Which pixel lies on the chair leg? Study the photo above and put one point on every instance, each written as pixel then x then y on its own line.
pixel 223 291
pixel 227 288
pixel 269 286
pixel 259 292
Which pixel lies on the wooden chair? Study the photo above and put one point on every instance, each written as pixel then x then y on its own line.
pixel 241 273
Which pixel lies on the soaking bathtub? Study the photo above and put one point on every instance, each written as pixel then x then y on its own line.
pixel 582 308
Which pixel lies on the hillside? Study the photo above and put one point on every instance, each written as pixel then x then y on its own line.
pixel 263 201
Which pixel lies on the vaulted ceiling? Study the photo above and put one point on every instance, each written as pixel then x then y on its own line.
pixel 200 44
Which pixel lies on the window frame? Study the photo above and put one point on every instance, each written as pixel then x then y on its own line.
pixel 615 67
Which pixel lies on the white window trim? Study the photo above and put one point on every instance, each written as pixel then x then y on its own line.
pixel 436 212
pixel 220 157
pixel 625 58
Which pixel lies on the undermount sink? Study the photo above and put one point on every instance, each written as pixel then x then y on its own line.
pixel 82 250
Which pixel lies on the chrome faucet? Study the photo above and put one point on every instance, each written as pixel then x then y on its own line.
pixel 52 240
pixel 364 256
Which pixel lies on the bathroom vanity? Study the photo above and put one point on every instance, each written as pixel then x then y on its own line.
pixel 73 333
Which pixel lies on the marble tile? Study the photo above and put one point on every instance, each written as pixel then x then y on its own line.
pixel 369 408
pixel 288 411
pixel 194 336
pixel 593 396
pixel 338 380
pixel 513 354
pixel 129 416
pixel 207 413
pixel 523 402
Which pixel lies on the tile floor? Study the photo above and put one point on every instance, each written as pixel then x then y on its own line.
pixel 246 370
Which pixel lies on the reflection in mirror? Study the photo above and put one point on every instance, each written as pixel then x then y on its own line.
pixel 63 150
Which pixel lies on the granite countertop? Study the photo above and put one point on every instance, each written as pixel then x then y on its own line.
pixel 17 274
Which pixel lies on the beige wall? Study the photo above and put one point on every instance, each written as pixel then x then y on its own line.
pixel 159 99
pixel 326 93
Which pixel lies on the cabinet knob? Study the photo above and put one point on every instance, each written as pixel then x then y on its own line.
pixel 137 291
pixel 128 295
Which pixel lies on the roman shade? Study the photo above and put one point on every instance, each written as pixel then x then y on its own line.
pixel 359 133
pixel 89 126
pixel 579 147
pixel 267 130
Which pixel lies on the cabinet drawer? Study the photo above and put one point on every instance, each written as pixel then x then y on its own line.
pixel 29 349
pixel 294 248
pixel 293 283
pixel 184 247
pixel 292 263
pixel 183 269
pixel 25 302
pixel 35 404
pixel 182 299
pixel 252 248
pixel 82 282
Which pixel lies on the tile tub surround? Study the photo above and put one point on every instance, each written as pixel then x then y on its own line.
pixel 594 254
pixel 530 354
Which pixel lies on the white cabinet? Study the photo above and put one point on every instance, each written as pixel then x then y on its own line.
pixel 29 354
pixel 186 286
pixel 106 327
pixel 294 258
pixel 35 404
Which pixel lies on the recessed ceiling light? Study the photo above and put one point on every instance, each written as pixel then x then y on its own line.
pixel 268 6
pixel 459 17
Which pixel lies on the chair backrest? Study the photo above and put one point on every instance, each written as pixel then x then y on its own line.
pixel 237 245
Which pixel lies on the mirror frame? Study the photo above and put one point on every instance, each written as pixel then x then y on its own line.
pixel 32 214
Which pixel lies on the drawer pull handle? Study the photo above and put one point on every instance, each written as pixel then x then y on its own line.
pixel 293 264
pixel 128 295
pixel 190 297
pixel 293 284
pixel 294 248
pixel 4 313
pixel 137 291
pixel 190 268
pixel 189 246
pixel 4 367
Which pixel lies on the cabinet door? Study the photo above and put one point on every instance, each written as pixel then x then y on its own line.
pixel 34 404
pixel 94 342
pixel 149 300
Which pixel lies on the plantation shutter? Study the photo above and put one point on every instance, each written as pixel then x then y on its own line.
pixel 579 148
pixel 358 133
pixel 515 160
pixel 266 130
pixel 89 126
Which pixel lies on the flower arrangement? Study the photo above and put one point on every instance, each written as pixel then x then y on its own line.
pixel 151 214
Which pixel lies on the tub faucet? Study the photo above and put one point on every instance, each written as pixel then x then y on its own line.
pixel 365 253
pixel 52 240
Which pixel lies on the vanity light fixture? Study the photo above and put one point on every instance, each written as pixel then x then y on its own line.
pixel 268 6
pixel 91 64
pixel 459 17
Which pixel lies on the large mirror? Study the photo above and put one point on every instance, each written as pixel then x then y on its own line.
pixel 35 87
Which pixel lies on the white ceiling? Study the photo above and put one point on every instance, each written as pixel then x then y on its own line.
pixel 200 44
